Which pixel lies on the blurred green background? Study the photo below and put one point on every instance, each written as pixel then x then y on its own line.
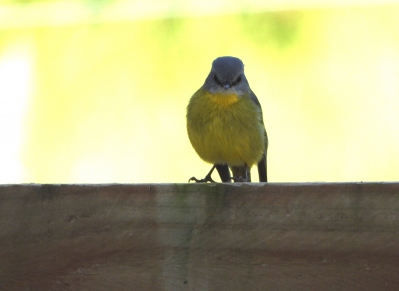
pixel 96 91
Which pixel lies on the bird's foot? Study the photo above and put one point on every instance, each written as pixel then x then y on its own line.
pixel 205 180
pixel 239 179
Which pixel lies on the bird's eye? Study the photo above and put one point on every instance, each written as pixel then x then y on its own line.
pixel 215 77
pixel 238 80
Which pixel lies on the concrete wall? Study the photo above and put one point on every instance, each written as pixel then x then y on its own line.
pixel 200 237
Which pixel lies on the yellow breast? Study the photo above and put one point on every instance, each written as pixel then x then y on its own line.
pixel 222 99
pixel 225 128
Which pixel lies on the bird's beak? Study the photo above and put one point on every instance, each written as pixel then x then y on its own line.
pixel 226 86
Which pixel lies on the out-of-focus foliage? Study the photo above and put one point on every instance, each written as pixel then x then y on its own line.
pixel 102 98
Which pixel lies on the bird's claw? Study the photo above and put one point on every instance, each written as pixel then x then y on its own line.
pixel 205 180
pixel 239 179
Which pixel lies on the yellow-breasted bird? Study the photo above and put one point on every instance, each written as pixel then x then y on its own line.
pixel 225 123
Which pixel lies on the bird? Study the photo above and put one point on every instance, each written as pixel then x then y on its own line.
pixel 225 124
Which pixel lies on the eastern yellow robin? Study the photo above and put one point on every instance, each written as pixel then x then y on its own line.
pixel 225 124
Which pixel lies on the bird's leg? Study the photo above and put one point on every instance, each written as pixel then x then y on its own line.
pixel 224 172
pixel 207 178
pixel 241 174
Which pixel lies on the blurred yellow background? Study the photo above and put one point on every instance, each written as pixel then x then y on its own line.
pixel 96 91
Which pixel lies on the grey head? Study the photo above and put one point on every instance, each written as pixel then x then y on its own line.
pixel 227 76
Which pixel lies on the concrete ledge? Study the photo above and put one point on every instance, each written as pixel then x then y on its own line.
pixel 341 236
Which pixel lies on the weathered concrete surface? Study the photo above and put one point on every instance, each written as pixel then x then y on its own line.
pixel 200 237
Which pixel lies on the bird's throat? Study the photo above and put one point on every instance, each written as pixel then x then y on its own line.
pixel 223 99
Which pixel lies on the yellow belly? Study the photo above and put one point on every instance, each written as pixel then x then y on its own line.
pixel 225 128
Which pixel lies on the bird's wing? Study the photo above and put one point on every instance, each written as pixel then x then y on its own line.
pixel 262 164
